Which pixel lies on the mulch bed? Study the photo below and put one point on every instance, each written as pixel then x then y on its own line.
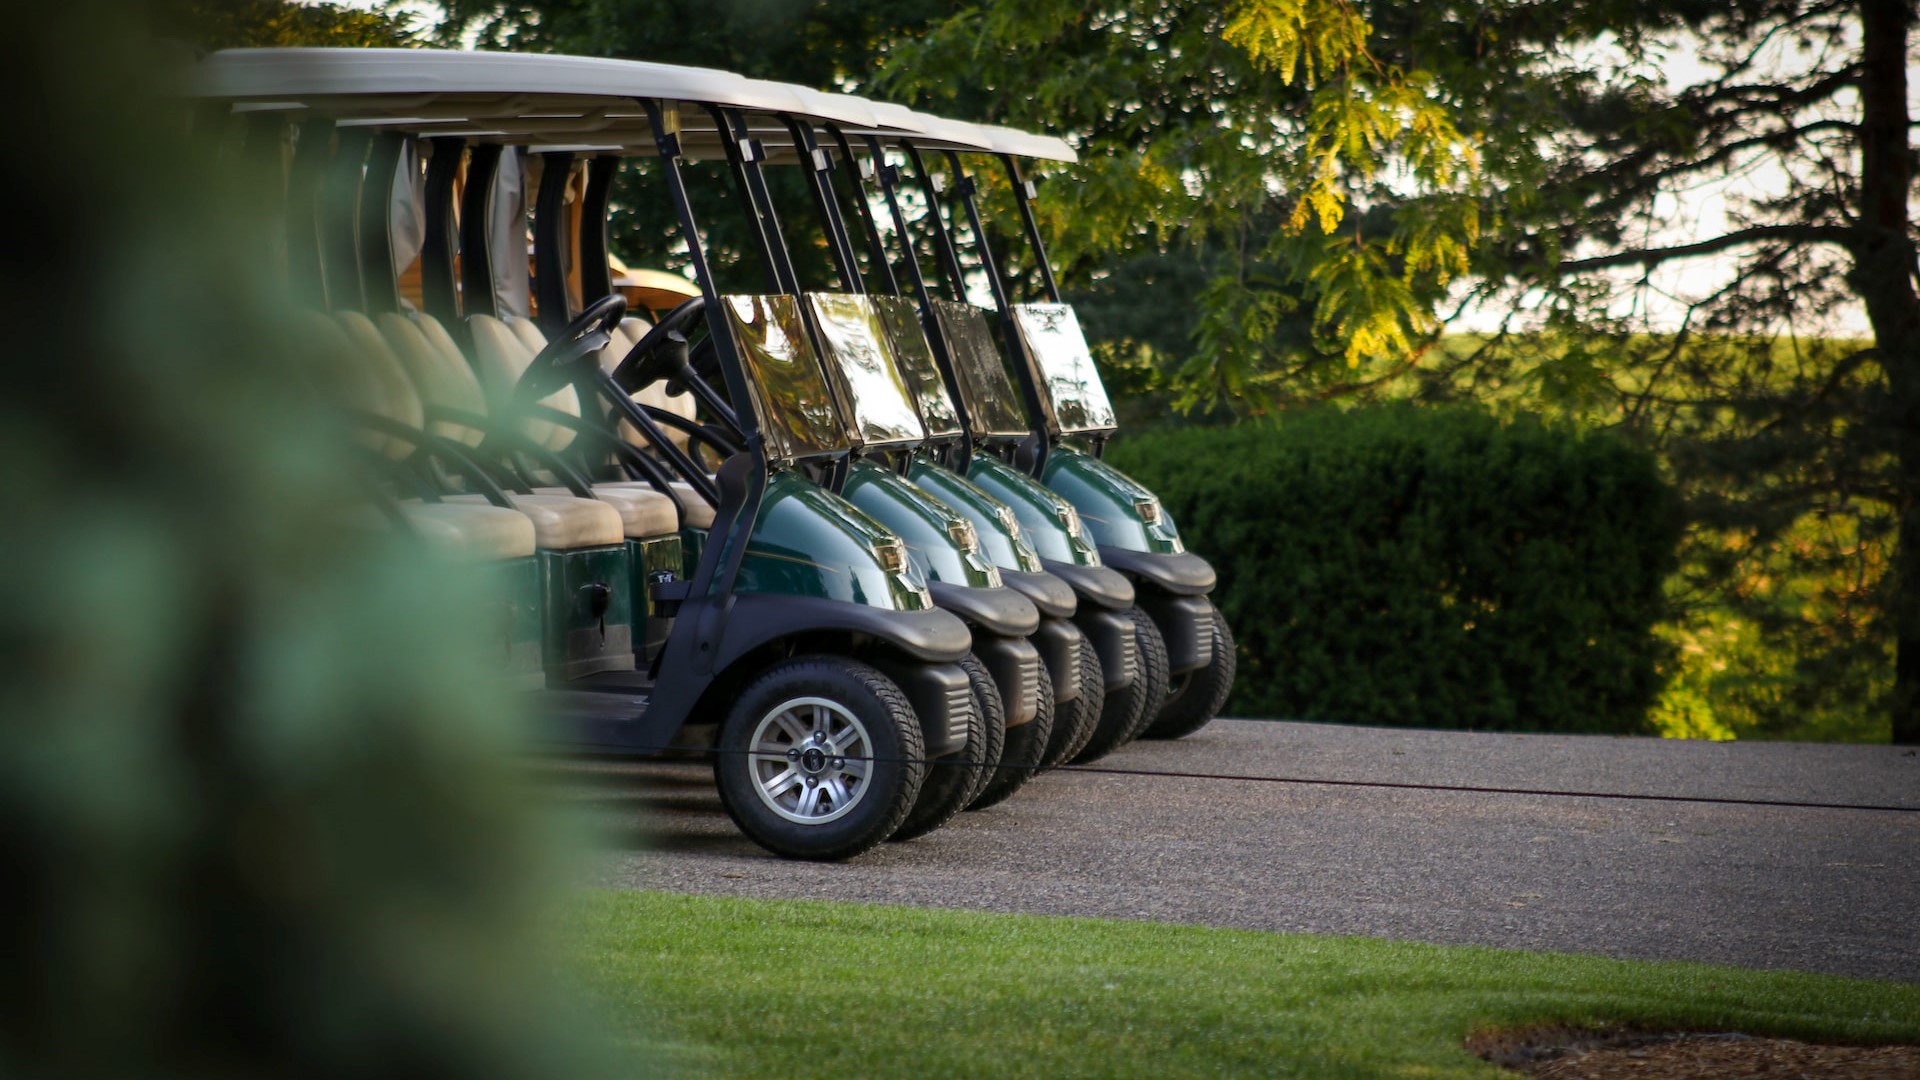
pixel 1575 1054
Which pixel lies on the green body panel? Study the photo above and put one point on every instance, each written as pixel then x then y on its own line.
pixel 1109 502
pixel 515 585
pixel 576 641
pixel 1006 547
pixel 692 542
pixel 1043 514
pixel 810 542
pixel 650 559
pixel 923 521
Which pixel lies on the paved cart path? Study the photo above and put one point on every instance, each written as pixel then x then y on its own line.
pixel 1757 886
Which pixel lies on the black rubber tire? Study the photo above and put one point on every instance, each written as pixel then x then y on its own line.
pixel 1153 670
pixel 1126 710
pixel 954 779
pixel 896 769
pixel 1026 747
pixel 993 721
pixel 1201 694
pixel 1074 721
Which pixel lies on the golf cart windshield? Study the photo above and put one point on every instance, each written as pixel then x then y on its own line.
pixel 880 408
pixel 788 389
pixel 992 404
pixel 1069 383
pixel 915 359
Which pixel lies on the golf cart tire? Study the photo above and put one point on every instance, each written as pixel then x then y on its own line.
pixel 993 721
pixel 1153 671
pixel 860 699
pixel 1127 709
pixel 1026 749
pixel 1199 695
pixel 1074 721
pixel 953 779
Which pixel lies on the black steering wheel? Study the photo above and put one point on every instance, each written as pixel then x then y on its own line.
pixel 560 362
pixel 650 359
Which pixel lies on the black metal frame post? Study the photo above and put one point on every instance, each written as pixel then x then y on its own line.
pixel 878 264
pixel 738 149
pixel 1025 194
pixel 596 273
pixel 944 252
pixel 476 252
pixel 550 242
pixel 708 576
pixel 305 279
pixel 439 294
pixel 339 223
pixel 1033 453
pixel 817 163
pixel 379 280
pixel 888 179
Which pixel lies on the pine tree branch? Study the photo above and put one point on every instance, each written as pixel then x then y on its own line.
pixel 1648 258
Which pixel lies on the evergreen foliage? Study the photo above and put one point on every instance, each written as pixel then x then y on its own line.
pixel 1428 567
pixel 261 818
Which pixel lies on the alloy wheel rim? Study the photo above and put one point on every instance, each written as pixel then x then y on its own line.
pixel 810 760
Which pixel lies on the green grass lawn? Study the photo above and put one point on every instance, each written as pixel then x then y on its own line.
pixel 759 988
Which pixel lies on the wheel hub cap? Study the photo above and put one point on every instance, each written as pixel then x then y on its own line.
pixel 810 760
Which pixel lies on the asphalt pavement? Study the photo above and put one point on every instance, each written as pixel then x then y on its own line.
pixel 1765 886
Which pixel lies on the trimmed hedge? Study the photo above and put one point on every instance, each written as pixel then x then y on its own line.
pixel 1427 567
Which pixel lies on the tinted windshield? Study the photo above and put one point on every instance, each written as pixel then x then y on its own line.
pixel 1067 376
pixel 915 358
pixel 861 363
pixel 784 377
pixel 993 407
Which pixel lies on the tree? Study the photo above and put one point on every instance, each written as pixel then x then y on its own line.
pixel 234 24
pixel 1599 116
pixel 1590 118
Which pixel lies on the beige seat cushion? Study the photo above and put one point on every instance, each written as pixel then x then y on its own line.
pixel 697 513
pixel 644 514
pixel 562 522
pixel 397 399
pixel 442 380
pixel 470 533
pixel 501 356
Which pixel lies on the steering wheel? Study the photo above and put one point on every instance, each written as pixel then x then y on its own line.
pixel 650 360
pixel 559 363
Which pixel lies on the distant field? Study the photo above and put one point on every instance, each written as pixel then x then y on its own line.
pixel 711 987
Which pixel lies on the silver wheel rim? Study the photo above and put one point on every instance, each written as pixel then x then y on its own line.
pixel 810 760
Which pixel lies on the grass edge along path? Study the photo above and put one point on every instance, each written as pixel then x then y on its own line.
pixel 710 986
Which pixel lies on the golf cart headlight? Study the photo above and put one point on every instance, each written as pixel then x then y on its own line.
pixel 1070 518
pixel 892 555
pixel 963 535
pixel 1008 521
pixel 1148 509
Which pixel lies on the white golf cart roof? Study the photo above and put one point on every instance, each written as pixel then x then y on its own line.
pixel 564 101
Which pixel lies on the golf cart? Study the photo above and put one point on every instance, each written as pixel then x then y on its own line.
pixel 1069 420
pixel 799 644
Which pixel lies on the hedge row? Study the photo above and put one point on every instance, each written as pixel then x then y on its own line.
pixel 1427 567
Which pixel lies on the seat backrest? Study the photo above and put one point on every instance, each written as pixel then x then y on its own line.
pixel 500 356
pixel 397 399
pixel 442 380
pixel 329 364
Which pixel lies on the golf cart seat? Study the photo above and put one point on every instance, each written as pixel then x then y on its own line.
pixel 644 512
pixel 500 356
pixel 694 509
pixel 471 534
pixel 559 523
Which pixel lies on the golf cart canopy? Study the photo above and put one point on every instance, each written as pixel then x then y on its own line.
pixel 541 101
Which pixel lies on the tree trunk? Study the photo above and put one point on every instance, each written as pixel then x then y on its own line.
pixel 1883 273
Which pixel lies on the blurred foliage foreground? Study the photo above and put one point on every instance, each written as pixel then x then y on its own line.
pixel 259 814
